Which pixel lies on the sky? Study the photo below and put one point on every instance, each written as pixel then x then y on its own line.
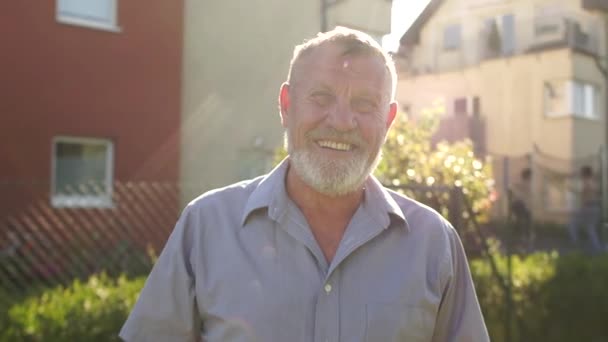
pixel 403 14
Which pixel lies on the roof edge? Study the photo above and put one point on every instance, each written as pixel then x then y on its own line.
pixel 412 35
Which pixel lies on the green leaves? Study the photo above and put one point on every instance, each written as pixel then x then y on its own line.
pixel 85 311
pixel 410 159
pixel 555 298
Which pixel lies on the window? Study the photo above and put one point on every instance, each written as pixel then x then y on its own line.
pixel 460 106
pixel 576 98
pixel 100 14
pixel 548 20
pixel 556 98
pixel 82 172
pixel 255 160
pixel 499 33
pixel 584 100
pixel 508 34
pixel 451 37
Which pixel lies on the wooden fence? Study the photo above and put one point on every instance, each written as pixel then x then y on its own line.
pixel 43 245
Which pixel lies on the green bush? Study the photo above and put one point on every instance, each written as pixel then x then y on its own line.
pixel 554 298
pixel 410 160
pixel 90 311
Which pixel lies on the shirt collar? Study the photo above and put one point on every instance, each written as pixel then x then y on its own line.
pixel 270 193
pixel 381 205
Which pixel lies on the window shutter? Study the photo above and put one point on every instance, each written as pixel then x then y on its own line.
pixel 508 34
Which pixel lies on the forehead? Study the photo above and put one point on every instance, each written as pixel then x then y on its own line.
pixel 329 63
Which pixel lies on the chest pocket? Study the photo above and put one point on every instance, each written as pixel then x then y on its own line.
pixel 388 322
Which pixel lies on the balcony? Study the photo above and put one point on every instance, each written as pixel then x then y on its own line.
pixel 503 37
pixel 564 32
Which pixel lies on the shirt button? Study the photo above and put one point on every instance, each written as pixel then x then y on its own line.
pixel 327 288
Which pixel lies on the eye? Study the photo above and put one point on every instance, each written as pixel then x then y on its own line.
pixel 364 105
pixel 322 98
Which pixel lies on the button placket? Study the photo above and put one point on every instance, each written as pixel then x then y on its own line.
pixel 327 320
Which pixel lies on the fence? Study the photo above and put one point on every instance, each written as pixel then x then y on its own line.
pixel 45 245
pixel 553 183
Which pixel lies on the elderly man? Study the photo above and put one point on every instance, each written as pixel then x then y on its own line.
pixel 317 250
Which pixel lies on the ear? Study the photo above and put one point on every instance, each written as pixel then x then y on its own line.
pixel 392 113
pixel 284 103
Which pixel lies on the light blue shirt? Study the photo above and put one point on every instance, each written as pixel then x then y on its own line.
pixel 243 265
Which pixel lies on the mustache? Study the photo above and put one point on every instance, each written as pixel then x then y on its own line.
pixel 351 137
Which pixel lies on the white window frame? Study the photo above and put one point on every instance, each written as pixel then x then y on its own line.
pixel 582 100
pixel 77 200
pixel 586 107
pixel 111 24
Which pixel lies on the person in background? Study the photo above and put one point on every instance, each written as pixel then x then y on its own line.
pixel 588 213
pixel 318 249
pixel 521 208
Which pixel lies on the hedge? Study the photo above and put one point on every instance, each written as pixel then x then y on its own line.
pixel 555 298
pixel 90 311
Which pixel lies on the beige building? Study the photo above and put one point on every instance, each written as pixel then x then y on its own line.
pixel 236 55
pixel 518 77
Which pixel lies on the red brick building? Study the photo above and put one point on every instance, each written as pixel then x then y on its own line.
pixel 89 110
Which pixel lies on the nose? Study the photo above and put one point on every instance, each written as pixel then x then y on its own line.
pixel 342 118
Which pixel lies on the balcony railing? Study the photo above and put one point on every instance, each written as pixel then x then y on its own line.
pixel 525 35
pixel 570 32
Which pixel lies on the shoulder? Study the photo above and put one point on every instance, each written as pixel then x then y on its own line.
pixel 227 201
pixel 237 191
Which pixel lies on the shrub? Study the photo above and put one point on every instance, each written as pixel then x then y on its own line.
pixel 90 311
pixel 410 160
pixel 554 298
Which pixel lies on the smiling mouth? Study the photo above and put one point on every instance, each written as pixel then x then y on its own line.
pixel 337 146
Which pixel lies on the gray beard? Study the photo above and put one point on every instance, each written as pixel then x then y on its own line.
pixel 329 176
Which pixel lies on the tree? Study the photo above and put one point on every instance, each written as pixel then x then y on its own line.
pixel 410 161
pixel 411 165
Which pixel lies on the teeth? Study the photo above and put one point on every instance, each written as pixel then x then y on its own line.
pixel 335 145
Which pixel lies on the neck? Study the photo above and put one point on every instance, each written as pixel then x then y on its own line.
pixel 310 200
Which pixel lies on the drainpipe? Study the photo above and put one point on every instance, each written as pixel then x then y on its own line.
pixel 600 59
pixel 325 5
pixel 324 8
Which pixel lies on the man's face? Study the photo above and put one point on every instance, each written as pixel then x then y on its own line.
pixel 336 113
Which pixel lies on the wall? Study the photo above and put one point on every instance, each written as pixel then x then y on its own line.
pixel 234 65
pixel 69 80
pixel 511 92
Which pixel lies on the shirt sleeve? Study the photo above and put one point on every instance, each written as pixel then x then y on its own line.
pixel 166 309
pixel 459 317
